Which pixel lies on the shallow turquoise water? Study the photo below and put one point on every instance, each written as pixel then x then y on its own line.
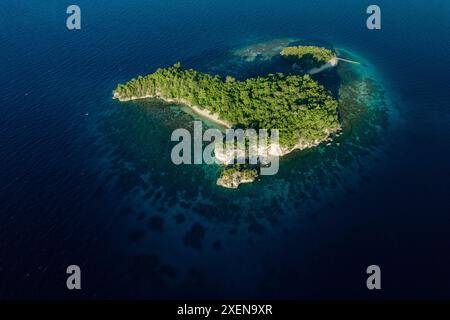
pixel 136 138
pixel 87 179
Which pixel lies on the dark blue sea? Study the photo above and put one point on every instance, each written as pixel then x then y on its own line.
pixel 86 180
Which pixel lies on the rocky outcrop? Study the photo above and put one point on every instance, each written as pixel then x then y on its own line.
pixel 232 178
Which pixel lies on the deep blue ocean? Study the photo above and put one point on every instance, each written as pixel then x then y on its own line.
pixel 87 180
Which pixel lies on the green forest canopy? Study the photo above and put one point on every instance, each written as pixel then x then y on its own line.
pixel 311 56
pixel 296 105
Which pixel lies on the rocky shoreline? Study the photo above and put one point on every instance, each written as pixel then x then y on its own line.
pixel 234 180
pixel 201 112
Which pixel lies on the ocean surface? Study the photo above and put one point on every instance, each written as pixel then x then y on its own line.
pixel 87 180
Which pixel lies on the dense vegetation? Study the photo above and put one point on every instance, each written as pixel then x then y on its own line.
pixel 246 173
pixel 233 176
pixel 308 56
pixel 296 105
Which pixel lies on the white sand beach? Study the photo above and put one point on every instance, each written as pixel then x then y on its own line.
pixel 197 110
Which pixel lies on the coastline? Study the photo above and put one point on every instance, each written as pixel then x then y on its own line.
pixel 301 145
pixel 330 64
pixel 210 116
pixel 213 117
pixel 279 150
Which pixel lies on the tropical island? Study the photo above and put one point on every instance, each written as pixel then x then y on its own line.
pixel 308 56
pixel 303 111
pixel 311 59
